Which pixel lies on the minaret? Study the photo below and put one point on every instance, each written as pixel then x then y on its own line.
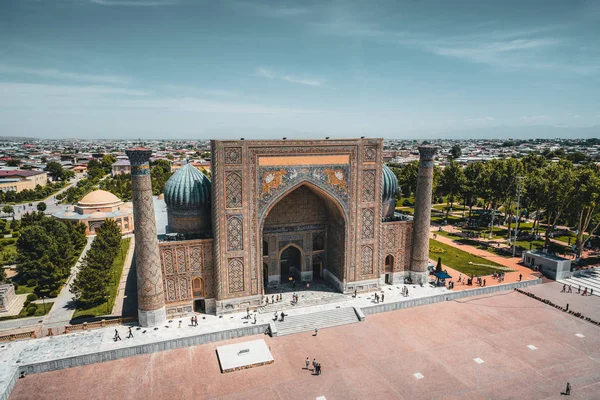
pixel 151 298
pixel 422 216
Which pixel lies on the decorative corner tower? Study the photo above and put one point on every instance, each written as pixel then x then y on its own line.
pixel 150 289
pixel 422 216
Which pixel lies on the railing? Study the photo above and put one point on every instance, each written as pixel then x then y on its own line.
pixel 17 336
pixel 98 324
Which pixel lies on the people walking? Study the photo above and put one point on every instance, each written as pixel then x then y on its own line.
pixel 117 337
pixel 179 324
pixel 382 296
pixel 275 316
pixel 130 334
pixel 316 331
pixel 564 288
pixel 520 277
pixel 307 362
pixel 314 363
pixel 254 319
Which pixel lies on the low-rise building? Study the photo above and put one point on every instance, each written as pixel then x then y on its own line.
pixel 95 208
pixel 552 266
pixel 121 167
pixel 19 180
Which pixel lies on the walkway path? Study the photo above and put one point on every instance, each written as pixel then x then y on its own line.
pixel 118 306
pixel 513 263
pixel 63 308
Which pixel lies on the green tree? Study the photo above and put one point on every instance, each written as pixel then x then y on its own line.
pixel 55 169
pixel 41 206
pixel 455 152
pixel 452 182
pixel 586 204
pixel 107 161
pixel 557 192
pixel 90 287
pixel 407 177
pixel 438 267
pixel 8 209
pixel 471 189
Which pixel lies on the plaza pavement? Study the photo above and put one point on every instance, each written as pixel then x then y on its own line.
pixel 425 352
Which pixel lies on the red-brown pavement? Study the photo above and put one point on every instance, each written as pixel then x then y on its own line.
pixel 512 263
pixel 374 359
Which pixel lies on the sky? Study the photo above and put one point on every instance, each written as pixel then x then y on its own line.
pixel 398 69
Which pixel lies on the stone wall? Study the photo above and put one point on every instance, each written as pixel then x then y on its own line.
pixel 396 241
pixel 183 264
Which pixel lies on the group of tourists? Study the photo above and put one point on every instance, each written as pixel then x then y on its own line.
pixel 404 291
pixel 500 276
pixel 278 316
pixel 194 320
pixel 294 299
pixel 118 337
pixel 274 299
pixel 377 297
pixel 316 367
pixel 567 289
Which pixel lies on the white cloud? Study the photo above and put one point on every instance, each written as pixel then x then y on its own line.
pixel 269 74
pixel 89 99
pixel 52 73
pixel 270 9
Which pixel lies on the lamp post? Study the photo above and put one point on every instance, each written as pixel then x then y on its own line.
pixel 518 216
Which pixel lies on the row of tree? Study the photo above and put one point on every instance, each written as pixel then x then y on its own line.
pixel 555 193
pixel 120 185
pixel 90 287
pixel 47 248
pixel 38 193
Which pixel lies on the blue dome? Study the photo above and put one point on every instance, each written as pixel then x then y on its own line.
pixel 187 187
pixel 389 185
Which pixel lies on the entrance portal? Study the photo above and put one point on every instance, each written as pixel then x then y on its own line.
pixel 307 228
pixel 199 306
pixel 290 262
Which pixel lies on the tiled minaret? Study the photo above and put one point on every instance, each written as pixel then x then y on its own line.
pixel 422 216
pixel 151 298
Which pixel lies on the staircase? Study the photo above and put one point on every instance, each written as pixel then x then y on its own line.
pixel 322 319
pixel 589 279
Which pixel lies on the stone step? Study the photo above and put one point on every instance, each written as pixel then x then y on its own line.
pixel 590 283
pixel 322 319
pixel 286 305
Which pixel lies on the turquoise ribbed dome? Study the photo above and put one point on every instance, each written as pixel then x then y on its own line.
pixel 187 187
pixel 389 185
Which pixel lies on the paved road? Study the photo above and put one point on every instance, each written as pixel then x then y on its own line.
pixel 63 307
pixel 51 204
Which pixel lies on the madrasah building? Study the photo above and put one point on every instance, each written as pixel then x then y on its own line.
pixel 275 211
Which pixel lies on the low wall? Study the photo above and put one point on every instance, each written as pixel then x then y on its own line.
pixel 384 307
pixel 12 381
pixel 109 355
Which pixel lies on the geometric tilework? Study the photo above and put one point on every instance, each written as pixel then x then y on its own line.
pixel 168 256
pixel 236 275
pixel 184 288
pixel 196 259
pixel 368 222
pixel 233 190
pixel 368 193
pixel 235 233
pixel 180 260
pixel 233 155
pixel 390 239
pixel 370 153
pixel 171 295
pixel 367 261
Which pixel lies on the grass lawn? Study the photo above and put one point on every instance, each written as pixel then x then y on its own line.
pixel 459 259
pixel 116 271
pixel 39 311
pixel 472 242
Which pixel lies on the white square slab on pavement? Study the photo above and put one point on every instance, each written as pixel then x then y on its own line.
pixel 478 360
pixel 579 335
pixel 418 375
pixel 531 347
pixel 244 355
